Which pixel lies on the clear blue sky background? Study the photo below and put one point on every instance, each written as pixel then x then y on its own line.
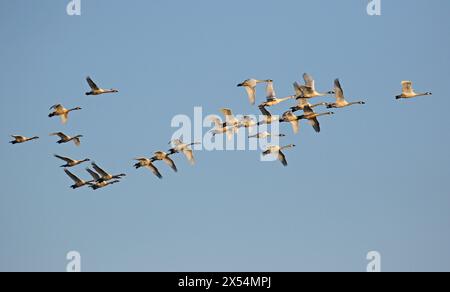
pixel 376 178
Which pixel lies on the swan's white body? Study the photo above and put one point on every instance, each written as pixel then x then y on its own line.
pixel 66 139
pixel 250 87
pixel 408 91
pixel 95 90
pixel 62 112
pixel 309 89
pixel 272 98
pixel 340 97
pixel 278 151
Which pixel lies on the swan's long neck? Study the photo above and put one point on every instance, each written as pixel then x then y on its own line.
pixel 324 114
pixel 326 93
pixel 287 98
pixel 357 102
pixel 285 147
pixel 319 104
pixel 424 94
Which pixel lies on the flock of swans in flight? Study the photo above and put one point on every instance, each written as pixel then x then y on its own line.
pixel 303 94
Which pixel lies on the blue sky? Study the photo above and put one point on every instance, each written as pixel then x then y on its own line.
pixel 376 178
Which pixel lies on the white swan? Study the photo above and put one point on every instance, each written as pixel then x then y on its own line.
pixel 250 87
pixel 408 91
pixel 302 102
pixel 310 115
pixel 180 147
pixel 272 98
pixel 95 90
pixel 147 163
pixel 21 139
pixel 61 111
pixel 268 117
pixel 340 98
pixel 104 176
pixel 71 162
pixel 78 182
pixel 278 150
pixel 98 183
pixel 265 135
pixel 309 90
pixel 221 128
pixel 163 156
pixel 66 139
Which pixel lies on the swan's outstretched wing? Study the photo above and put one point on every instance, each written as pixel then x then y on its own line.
pixel 295 126
pixel 171 163
pixel 265 112
pixel 66 159
pixel 309 81
pixel 338 91
pixel 229 117
pixel 251 92
pixel 60 135
pixel 153 169
pixel 189 155
pixel 270 91
pixel 92 84
pixel 64 118
pixel 282 158
pixel 94 175
pixel 99 170
pixel 77 141
pixel 73 177
pixel 407 87
pixel 298 89
pixel 315 124
pixel 56 107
